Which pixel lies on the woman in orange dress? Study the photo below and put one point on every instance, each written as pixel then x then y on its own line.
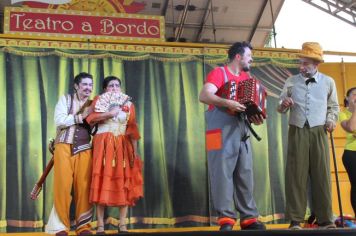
pixel 117 168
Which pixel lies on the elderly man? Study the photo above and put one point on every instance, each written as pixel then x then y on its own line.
pixel 312 100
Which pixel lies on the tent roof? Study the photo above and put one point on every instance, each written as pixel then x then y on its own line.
pixel 217 21
pixel 342 9
pixel 224 21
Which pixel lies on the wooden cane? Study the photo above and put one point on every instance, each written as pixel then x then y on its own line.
pixel 337 179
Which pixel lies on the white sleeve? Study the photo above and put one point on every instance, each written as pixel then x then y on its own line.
pixel 61 117
pixel 333 108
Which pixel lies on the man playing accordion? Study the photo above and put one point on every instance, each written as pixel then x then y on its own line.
pixel 228 147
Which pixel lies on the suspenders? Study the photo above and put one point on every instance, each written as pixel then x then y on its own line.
pixel 242 114
pixel 225 75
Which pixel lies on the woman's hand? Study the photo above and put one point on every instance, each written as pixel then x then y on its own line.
pixel 114 111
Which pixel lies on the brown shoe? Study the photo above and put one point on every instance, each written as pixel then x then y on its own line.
pixel 62 233
pixel 85 232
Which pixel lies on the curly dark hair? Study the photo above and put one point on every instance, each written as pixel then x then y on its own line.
pixel 238 48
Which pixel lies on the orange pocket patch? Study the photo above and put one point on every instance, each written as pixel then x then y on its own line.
pixel 213 139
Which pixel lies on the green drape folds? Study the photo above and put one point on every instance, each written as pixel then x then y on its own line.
pixel 165 90
pixel 3 143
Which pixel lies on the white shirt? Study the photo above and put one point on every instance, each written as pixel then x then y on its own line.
pixel 65 119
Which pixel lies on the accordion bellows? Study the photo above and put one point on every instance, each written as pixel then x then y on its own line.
pixel 249 92
pixel 109 100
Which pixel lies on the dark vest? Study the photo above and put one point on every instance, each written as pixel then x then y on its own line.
pixel 82 132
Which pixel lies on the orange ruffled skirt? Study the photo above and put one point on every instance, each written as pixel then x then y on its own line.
pixel 117 174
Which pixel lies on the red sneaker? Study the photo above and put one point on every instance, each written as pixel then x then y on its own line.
pixel 252 224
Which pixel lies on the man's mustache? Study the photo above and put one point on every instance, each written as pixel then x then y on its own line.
pixel 306 74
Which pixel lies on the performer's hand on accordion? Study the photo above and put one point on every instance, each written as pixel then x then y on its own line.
pixel 256 119
pixel 235 106
pixel 250 94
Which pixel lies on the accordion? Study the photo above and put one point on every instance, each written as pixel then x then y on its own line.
pixel 250 93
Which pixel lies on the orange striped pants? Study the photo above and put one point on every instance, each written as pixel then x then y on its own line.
pixel 72 172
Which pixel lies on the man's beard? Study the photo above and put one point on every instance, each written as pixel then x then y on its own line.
pixel 245 68
pixel 307 74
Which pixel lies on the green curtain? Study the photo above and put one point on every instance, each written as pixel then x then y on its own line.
pixel 3 143
pixel 165 90
pixel 170 121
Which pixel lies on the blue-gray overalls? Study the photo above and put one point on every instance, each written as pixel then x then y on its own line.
pixel 230 167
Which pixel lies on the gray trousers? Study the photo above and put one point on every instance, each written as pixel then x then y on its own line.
pixel 230 165
pixel 308 156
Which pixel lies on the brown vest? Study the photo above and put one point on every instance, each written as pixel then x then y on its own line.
pixel 81 138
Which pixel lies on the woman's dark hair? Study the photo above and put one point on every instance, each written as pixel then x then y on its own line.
pixel 346 103
pixel 238 48
pixel 109 78
pixel 79 77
